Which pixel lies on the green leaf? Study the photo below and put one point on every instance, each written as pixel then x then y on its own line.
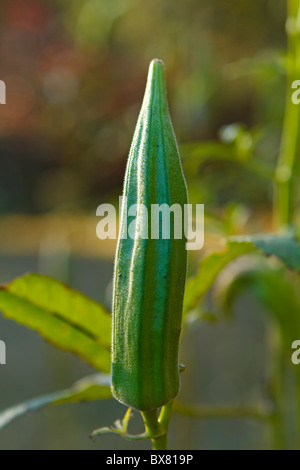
pixel 263 66
pixel 201 151
pixel 209 268
pixel 67 303
pixel 237 145
pixel 263 282
pixel 284 247
pixel 63 316
pixel 91 388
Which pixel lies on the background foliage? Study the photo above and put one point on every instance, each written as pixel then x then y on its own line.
pixel 75 74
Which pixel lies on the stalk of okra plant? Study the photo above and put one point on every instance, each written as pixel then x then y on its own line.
pixel 150 267
pixel 284 204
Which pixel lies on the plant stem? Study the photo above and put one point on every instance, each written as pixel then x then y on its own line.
pixel 165 415
pixel 297 378
pixel 160 443
pixel 157 426
pixel 276 386
pixel 291 124
pixel 154 430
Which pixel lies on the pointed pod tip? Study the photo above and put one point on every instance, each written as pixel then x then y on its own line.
pixel 157 61
pixel 156 85
pixel 156 69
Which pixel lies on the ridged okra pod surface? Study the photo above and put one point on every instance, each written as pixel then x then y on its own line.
pixel 150 273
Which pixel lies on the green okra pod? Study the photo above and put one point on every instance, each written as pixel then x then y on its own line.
pixel 150 273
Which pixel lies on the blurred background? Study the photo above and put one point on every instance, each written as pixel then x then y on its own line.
pixel 75 74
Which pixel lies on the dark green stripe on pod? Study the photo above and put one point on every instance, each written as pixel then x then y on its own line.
pixel 150 273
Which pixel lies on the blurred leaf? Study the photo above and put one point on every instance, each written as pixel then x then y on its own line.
pixel 263 282
pixel 284 247
pixel 204 150
pixel 241 139
pixel 264 66
pixel 231 133
pixel 91 388
pixel 200 314
pixel 63 316
pixel 96 19
pixel 237 145
pixel 69 304
pixel 235 218
pixel 208 270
